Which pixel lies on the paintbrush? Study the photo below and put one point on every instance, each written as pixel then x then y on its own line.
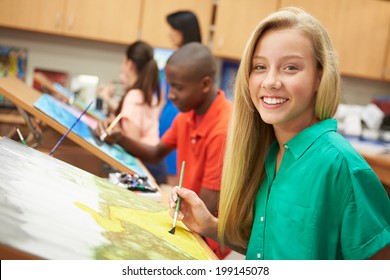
pixel 21 137
pixel 172 231
pixel 110 127
pixel 66 134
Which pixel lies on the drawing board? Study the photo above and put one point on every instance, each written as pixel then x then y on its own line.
pixel 53 210
pixel 60 112
pixel 25 97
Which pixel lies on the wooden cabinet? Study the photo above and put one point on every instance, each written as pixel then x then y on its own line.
pixel 359 29
pixel 327 13
pixel 360 32
pixel 154 27
pixel 234 23
pixel 114 21
pixel 387 66
pixel 37 15
pixel 363 38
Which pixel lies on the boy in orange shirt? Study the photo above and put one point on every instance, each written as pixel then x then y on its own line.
pixel 198 132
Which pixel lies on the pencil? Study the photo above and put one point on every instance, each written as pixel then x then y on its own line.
pixel 172 231
pixel 21 137
pixel 66 134
pixel 111 126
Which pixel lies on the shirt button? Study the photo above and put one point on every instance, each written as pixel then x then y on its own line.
pixel 285 146
pixel 258 255
pixel 261 219
pixel 193 140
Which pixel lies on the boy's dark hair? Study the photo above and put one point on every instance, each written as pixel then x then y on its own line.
pixel 196 58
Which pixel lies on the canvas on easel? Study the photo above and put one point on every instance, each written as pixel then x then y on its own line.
pixel 61 113
pixel 25 97
pixel 53 210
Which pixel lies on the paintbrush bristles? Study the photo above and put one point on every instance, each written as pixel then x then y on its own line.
pixel 172 231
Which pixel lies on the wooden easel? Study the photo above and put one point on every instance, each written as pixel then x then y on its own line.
pixel 24 97
pixel 54 89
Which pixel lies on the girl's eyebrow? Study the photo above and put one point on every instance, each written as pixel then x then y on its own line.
pixel 283 57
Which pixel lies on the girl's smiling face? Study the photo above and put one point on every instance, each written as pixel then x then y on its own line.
pixel 284 79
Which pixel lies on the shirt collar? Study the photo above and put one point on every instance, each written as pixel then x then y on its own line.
pixel 303 140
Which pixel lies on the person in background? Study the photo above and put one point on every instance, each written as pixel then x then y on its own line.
pixel 198 132
pixel 139 106
pixel 184 28
pixel 292 187
pixel 106 93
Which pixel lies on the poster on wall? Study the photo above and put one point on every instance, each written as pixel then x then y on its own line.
pixel 13 62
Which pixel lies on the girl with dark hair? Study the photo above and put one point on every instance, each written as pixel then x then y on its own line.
pixel 139 106
pixel 184 28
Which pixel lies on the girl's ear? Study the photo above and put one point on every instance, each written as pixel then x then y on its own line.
pixel 130 64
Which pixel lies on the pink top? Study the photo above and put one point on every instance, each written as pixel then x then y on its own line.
pixel 141 115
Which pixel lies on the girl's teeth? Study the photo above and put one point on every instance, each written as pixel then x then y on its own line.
pixel 273 101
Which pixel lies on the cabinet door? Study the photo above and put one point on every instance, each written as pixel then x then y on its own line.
pixel 112 21
pixel 37 15
pixel 235 21
pixel 363 37
pixel 154 27
pixel 326 12
pixel 387 66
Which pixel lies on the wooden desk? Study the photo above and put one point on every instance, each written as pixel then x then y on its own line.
pixel 24 96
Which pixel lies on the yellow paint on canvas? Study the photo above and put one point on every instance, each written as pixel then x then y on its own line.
pixel 157 223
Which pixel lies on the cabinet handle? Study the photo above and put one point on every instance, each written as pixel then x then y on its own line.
pixel 57 23
pixel 221 42
pixel 70 22
pixel 57 20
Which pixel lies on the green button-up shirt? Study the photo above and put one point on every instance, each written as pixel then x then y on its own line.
pixel 325 202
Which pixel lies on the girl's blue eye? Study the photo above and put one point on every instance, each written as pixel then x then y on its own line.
pixel 291 68
pixel 259 67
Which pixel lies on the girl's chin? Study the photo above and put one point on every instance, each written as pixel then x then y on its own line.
pixel 269 119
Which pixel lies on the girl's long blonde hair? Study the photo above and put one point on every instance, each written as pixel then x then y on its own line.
pixel 249 138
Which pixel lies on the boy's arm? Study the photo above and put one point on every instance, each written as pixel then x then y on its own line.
pixel 210 199
pixel 145 152
pixel 383 254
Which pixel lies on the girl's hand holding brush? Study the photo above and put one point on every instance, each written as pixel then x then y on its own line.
pixel 193 212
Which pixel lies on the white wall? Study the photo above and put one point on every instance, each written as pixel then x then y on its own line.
pixel 361 91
